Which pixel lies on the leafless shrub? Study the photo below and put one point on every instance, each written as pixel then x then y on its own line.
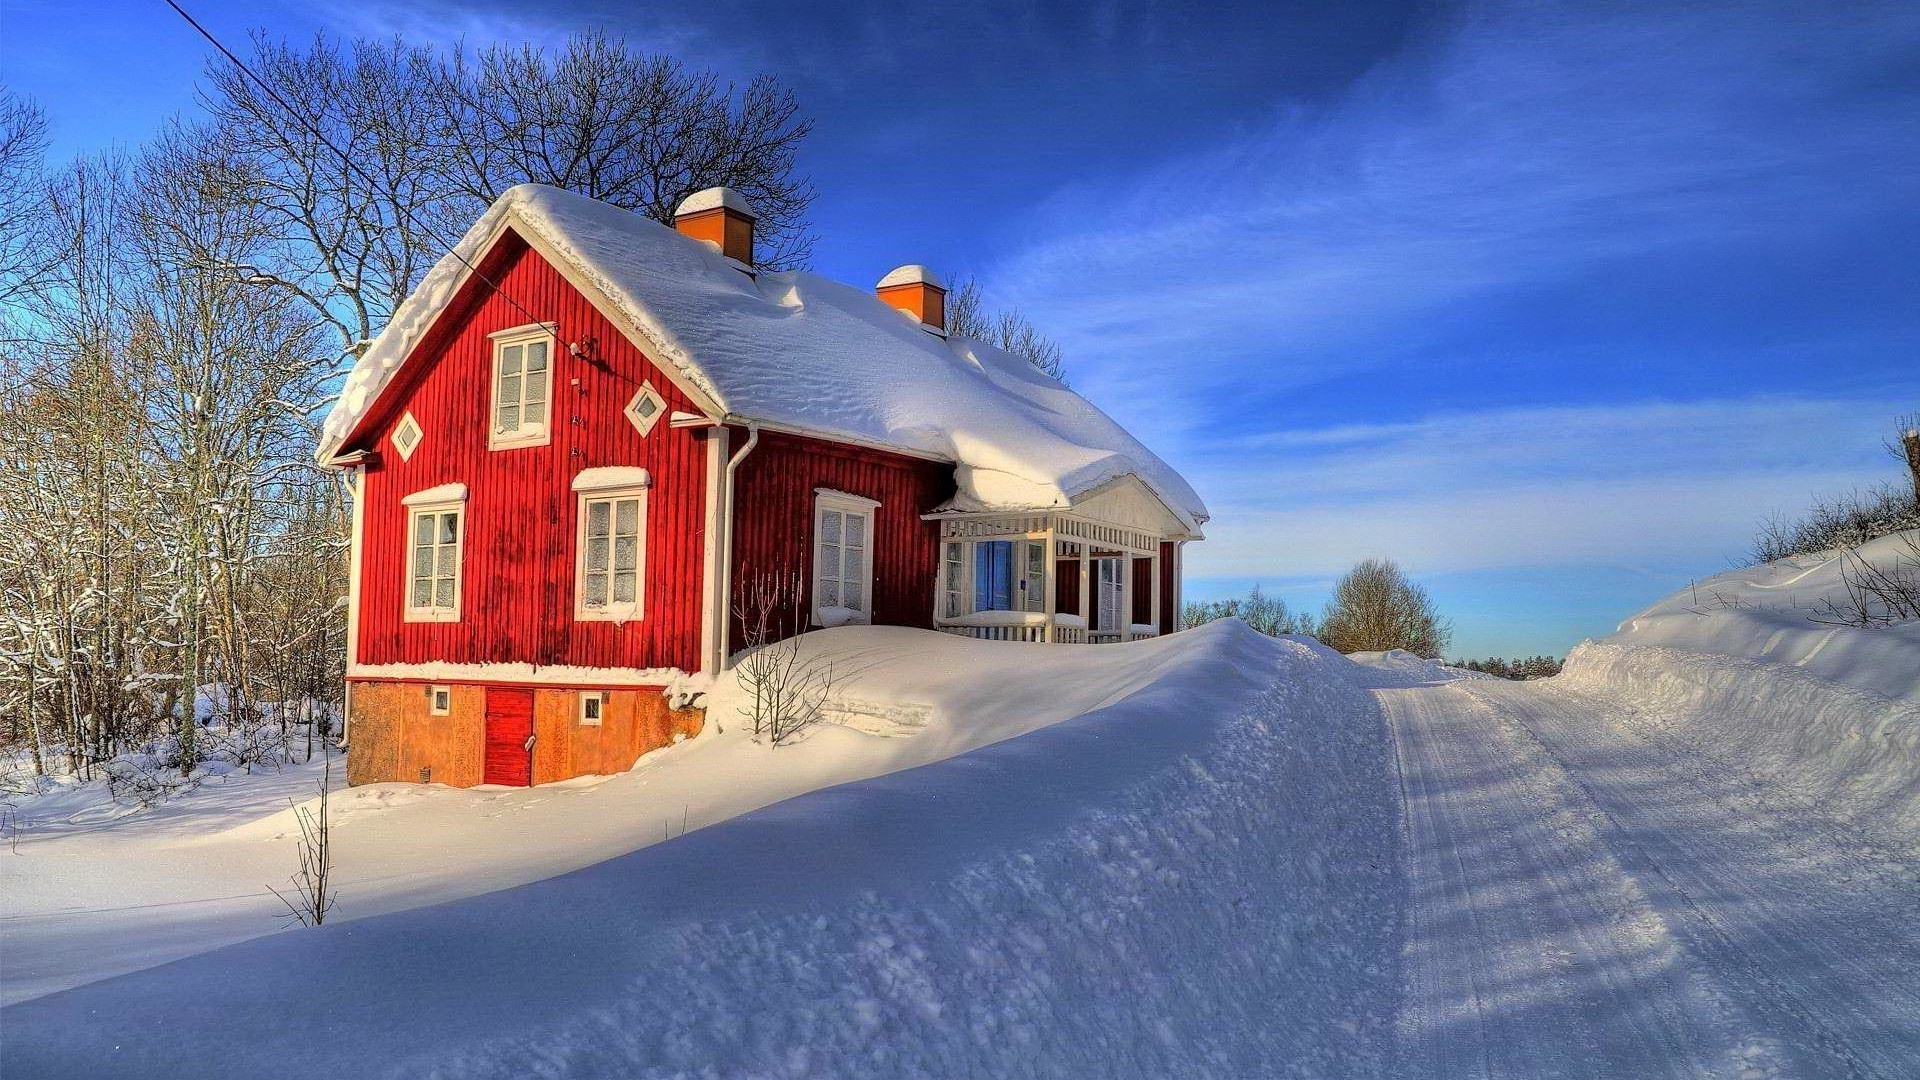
pixel 146 780
pixel 786 688
pixel 312 886
pixel 1877 593
pixel 1375 608
pixel 1841 521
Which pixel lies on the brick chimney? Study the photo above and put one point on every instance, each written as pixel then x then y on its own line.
pixel 917 291
pixel 720 217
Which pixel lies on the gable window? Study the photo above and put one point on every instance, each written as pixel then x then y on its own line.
pixel 434 537
pixel 842 558
pixel 522 386
pixel 406 436
pixel 1009 575
pixel 612 544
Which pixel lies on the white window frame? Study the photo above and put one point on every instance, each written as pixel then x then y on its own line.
pixel 597 699
pixel 434 706
pixel 644 424
pixel 406 448
pixel 825 501
pixel 525 434
pixel 954 600
pixel 415 511
pixel 610 612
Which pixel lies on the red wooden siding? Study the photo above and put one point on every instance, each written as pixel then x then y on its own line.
pixel 1169 576
pixel 773 521
pixel 517 565
pixel 1142 591
pixel 509 726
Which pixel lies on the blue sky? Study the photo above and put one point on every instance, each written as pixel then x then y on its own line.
pixel 1552 302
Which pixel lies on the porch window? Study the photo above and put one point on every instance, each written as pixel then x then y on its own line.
pixel 1009 575
pixel 842 558
pixel 955 567
pixel 522 385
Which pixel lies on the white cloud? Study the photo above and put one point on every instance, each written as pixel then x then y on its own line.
pixel 1532 487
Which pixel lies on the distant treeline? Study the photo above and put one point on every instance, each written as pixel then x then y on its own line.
pixel 1533 667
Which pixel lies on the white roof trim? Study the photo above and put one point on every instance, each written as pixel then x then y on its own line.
pixel 846 497
pixel 435 496
pixel 602 477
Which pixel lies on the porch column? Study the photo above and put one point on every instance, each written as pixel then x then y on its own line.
pixel 1047 585
pixel 1153 584
pixel 1086 590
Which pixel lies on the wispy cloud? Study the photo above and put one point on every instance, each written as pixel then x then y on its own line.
pixel 1529 144
pixel 1532 487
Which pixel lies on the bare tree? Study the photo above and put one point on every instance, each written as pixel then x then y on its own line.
pixel 1375 608
pixel 637 130
pixel 1876 593
pixel 967 317
pixel 1266 614
pixel 23 193
pixel 787 687
pixel 1905 445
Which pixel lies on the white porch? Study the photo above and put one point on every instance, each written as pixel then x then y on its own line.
pixel 1052 576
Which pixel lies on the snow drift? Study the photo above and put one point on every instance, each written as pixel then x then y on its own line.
pixel 1227 826
pixel 1737 668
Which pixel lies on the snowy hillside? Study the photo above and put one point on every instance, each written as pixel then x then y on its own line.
pixel 1219 815
pixel 1746 665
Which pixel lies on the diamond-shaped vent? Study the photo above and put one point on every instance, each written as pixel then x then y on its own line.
pixel 646 408
pixel 406 436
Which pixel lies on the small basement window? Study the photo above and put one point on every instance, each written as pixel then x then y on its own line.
pixel 522 386
pixel 593 704
pixel 439 700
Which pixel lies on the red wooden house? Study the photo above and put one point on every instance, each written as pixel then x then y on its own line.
pixel 587 441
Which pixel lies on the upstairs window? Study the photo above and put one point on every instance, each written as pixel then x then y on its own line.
pixel 406 437
pixel 522 386
pixel 842 558
pixel 433 564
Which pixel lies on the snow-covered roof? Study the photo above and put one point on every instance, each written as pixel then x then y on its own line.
pixel 797 350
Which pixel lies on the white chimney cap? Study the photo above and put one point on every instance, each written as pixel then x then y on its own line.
pixel 713 198
pixel 911 274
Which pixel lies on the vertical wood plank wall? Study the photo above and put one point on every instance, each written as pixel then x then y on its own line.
pixel 773 521
pixel 517 572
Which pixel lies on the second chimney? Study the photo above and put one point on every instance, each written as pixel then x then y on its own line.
pixel 719 217
pixel 917 291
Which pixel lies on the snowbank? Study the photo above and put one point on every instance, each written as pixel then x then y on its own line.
pixel 88 902
pixel 1195 879
pixel 1736 667
pixel 798 349
pixel 1763 613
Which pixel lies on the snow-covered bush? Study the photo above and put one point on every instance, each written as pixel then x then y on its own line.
pixel 1841 521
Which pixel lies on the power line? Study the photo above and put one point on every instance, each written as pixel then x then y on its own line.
pixel 345 158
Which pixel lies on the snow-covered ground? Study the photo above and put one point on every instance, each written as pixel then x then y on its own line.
pixel 1213 854
pixel 1194 877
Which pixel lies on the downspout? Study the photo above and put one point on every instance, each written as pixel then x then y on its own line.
pixel 724 631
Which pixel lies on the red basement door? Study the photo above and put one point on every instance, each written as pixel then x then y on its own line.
pixel 509 737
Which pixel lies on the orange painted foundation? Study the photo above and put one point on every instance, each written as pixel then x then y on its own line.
pixel 394 738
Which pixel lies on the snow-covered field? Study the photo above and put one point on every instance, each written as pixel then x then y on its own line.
pixel 1214 854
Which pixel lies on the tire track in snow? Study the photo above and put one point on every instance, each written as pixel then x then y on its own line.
pixel 1809 926
pixel 1530 951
